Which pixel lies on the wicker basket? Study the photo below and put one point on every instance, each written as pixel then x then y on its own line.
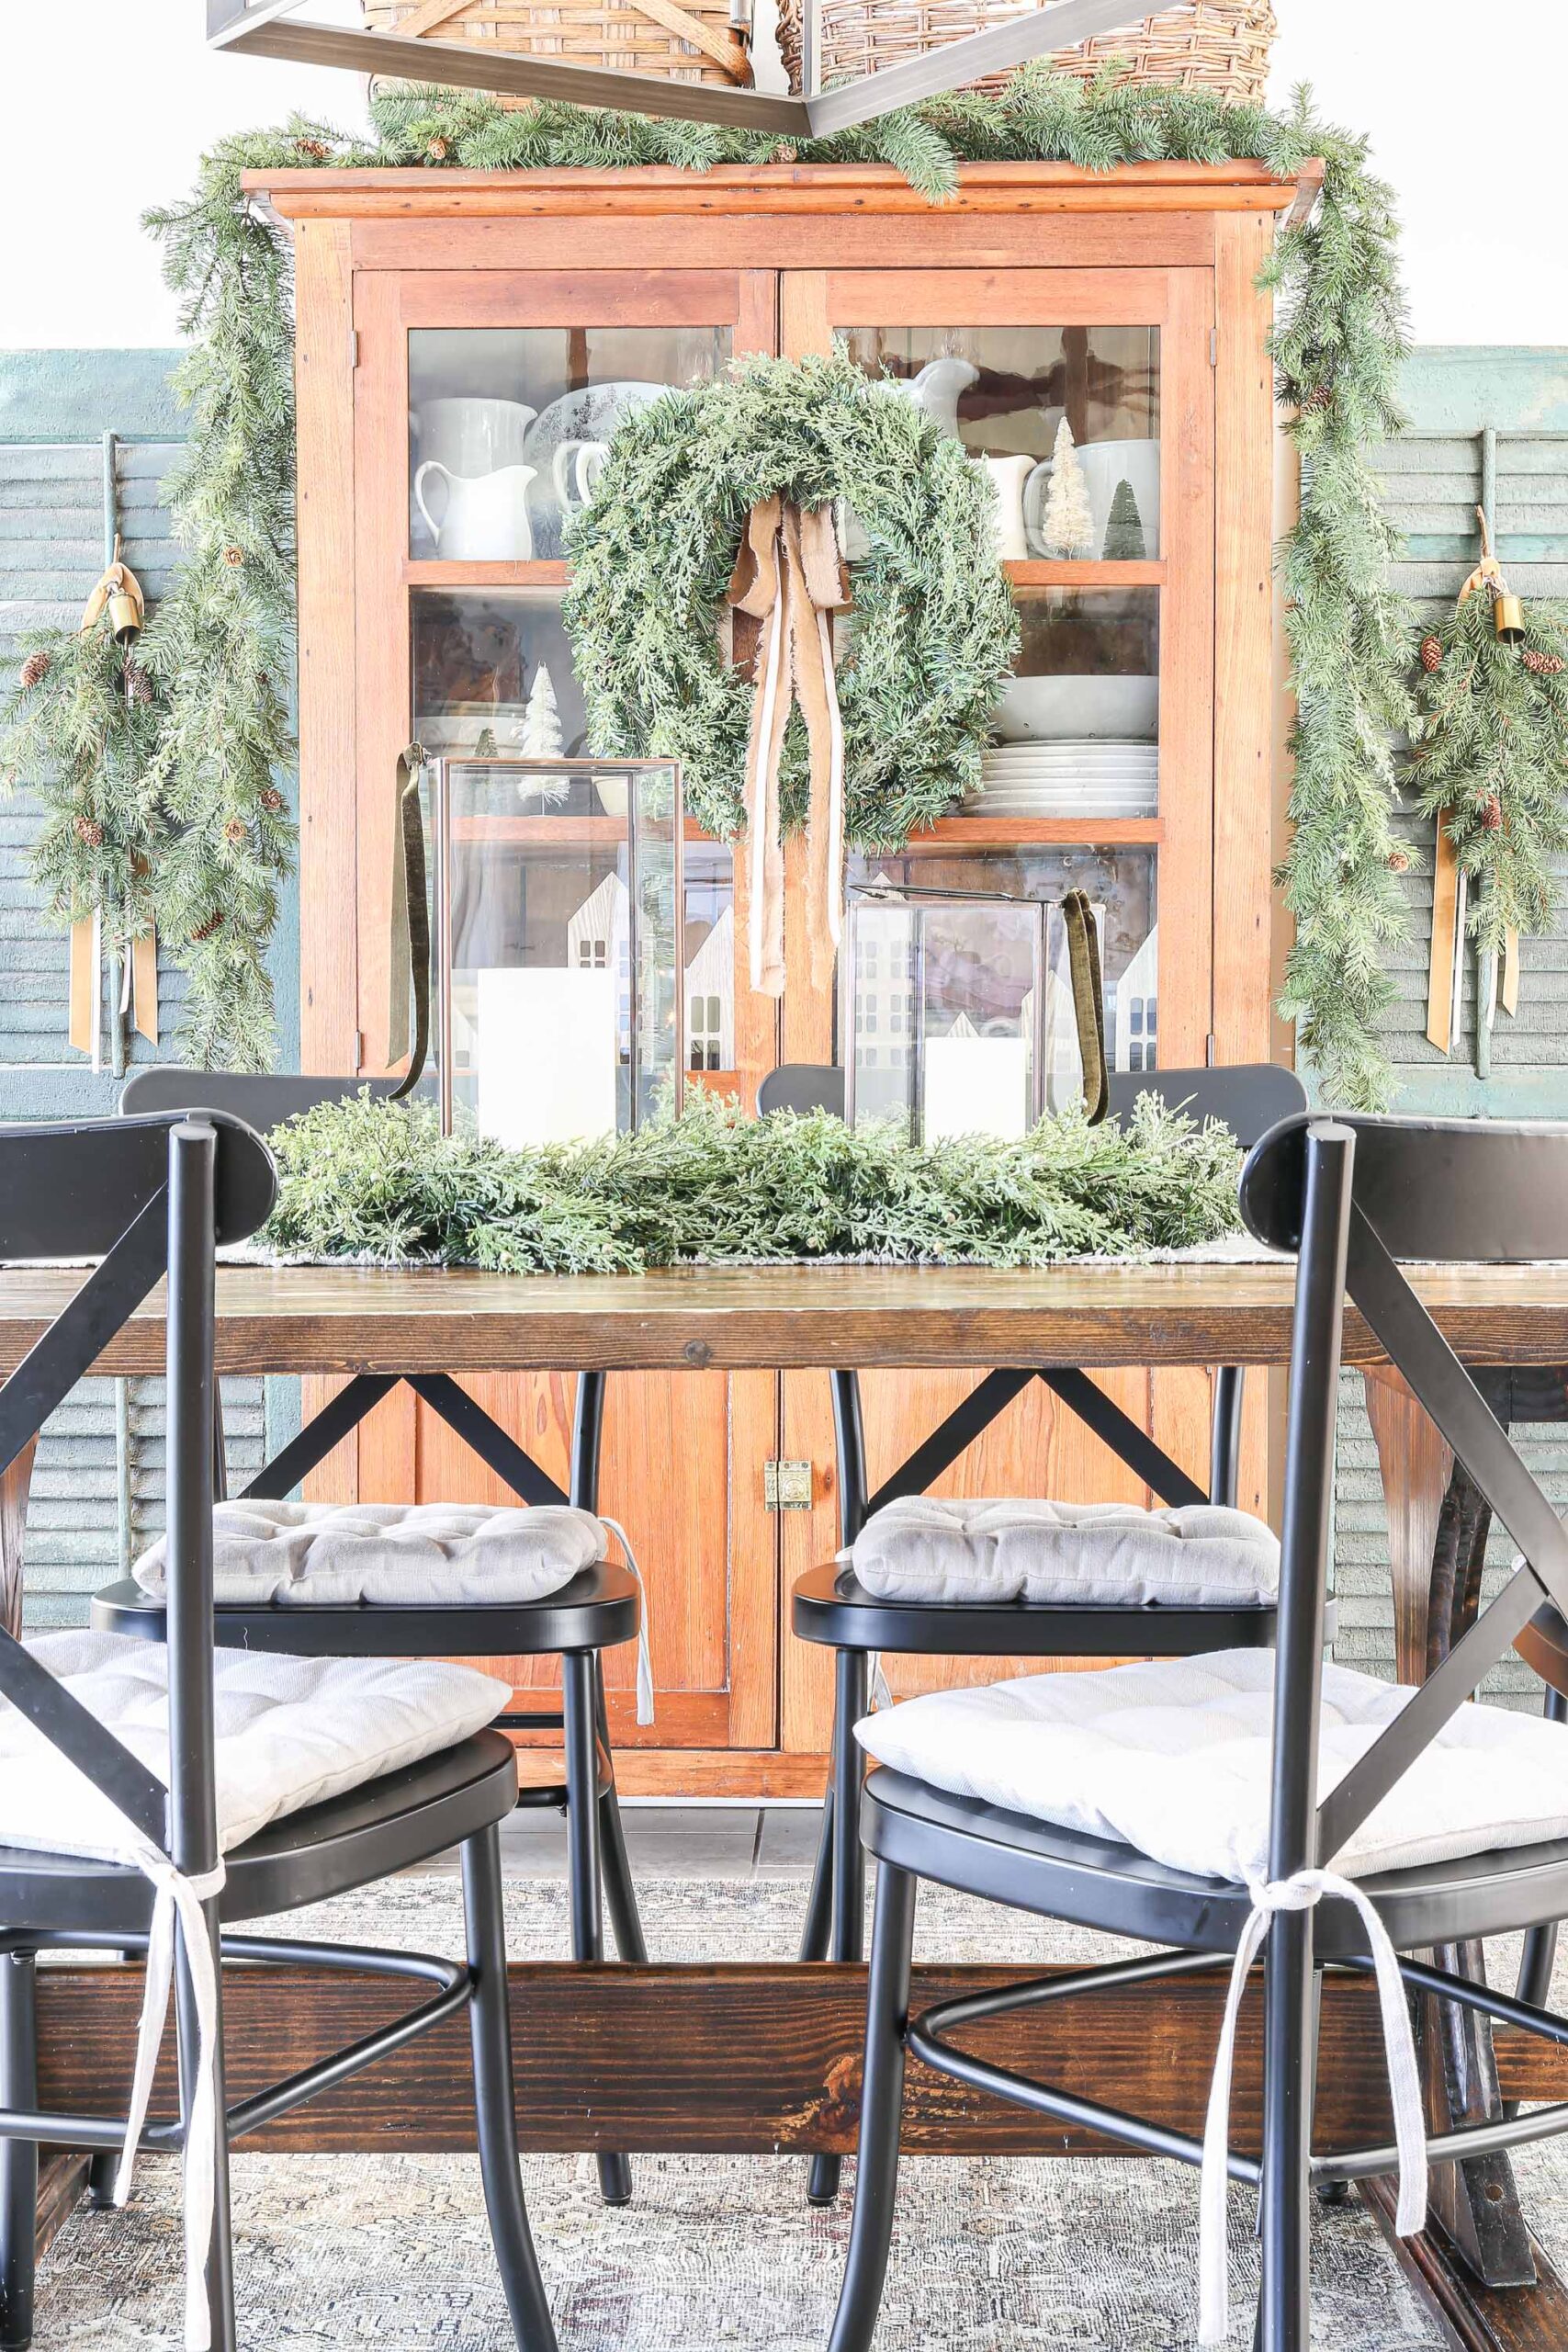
pixel 1219 45
pixel 685 40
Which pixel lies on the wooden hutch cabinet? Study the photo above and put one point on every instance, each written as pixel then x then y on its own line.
pixel 529 309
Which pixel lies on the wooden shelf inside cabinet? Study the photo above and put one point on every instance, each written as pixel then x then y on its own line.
pixel 1050 574
pixel 991 832
pixel 431 572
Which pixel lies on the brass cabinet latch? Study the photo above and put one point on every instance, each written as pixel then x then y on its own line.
pixel 786 1486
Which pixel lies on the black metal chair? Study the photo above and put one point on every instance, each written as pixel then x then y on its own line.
pixel 152 1195
pixel 829 1606
pixel 600 1610
pixel 1350 1198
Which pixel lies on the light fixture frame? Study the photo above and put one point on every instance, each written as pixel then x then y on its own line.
pixel 270 28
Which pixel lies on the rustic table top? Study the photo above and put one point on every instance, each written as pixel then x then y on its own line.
pixel 348 1320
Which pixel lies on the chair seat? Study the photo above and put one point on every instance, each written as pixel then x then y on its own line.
pixel 297 1555
pixel 1032 1865
pixel 1170 1761
pixel 597 1609
pixel 962 1548
pixel 390 1824
pixel 291 1736
pixel 830 1605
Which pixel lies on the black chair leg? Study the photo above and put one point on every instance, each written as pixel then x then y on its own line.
pixel 490 2028
pixel 819 1925
pixel 620 1893
pixel 19 2158
pixel 847 1941
pixel 881 2114
pixel 579 1696
pixel 1287 2135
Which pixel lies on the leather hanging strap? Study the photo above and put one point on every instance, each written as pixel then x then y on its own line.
pixel 790 578
pixel 409 977
pixel 1089 1001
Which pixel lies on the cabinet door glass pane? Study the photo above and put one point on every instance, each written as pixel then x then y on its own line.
pixel 1078 727
pixel 507 425
pixel 1005 390
pixel 492 675
pixel 1121 885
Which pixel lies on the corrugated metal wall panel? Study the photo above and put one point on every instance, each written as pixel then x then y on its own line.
pixel 1432 481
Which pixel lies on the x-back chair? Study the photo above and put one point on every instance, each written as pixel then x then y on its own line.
pixel 1450 1822
pixel 152 1849
pixel 599 1609
pixel 831 1605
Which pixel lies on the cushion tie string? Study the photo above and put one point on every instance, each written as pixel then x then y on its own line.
pixel 179 1897
pixel 1302 1893
pixel 644 1654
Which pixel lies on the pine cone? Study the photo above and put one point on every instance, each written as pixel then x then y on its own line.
pixel 1399 861
pixel 88 830
pixel 1491 813
pixel 235 830
pixel 1313 402
pixel 138 685
pixel 315 150
pixel 272 799
pixel 437 150
pixel 1540 665
pixel 784 153
pixel 1431 654
pixel 233 557
pixel 206 930
pixel 35 669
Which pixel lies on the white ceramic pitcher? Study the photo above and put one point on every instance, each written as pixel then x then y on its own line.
pixel 575 469
pixel 485 518
pixel 1010 475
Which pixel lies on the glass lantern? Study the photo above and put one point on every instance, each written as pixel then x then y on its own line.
pixel 557 898
pixel 956 1012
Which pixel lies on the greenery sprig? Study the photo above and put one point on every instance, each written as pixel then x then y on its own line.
pixel 1490 757
pixel 1339 342
pixel 375 1180
pixel 932 635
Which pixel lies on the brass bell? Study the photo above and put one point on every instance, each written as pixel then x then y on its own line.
pixel 1508 618
pixel 124 617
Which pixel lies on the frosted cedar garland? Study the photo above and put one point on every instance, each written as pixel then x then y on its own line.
pixel 1338 341
pixel 374 1179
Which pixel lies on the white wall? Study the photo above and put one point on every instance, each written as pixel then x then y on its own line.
pixel 1468 132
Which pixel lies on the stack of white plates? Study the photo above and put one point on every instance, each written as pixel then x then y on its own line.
pixel 1086 778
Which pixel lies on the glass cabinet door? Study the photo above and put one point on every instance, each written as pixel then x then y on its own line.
pixel 484 403
pixel 1087 396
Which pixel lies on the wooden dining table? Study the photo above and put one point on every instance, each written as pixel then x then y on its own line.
pixel 761 2057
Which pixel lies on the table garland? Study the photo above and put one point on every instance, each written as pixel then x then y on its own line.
pixel 378 1183
pixel 934 628
pixel 1338 339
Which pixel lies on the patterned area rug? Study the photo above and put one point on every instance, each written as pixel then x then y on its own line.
pixel 990 2255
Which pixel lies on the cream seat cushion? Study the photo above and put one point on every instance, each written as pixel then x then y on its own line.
pixel 1172 1756
pixel 411 1554
pixel 290 1732
pixel 929 1548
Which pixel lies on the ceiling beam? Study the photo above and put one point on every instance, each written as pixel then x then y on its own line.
pixel 263 30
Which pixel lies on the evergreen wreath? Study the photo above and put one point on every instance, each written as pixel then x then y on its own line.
pixel 1338 339
pixel 931 636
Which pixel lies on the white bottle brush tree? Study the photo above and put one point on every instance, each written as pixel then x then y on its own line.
pixel 542 741
pixel 1066 525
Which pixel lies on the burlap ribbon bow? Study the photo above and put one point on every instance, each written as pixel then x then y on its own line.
pixel 789 576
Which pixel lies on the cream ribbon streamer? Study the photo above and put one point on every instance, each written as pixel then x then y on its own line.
pixel 1269 1897
pixel 789 576
pixel 644 1654
pixel 177 1897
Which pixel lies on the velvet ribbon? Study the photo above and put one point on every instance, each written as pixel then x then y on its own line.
pixel 790 578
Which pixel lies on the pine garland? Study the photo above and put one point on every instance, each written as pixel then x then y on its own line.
pixel 932 634
pixel 1338 341
pixel 372 1179
pixel 1491 758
